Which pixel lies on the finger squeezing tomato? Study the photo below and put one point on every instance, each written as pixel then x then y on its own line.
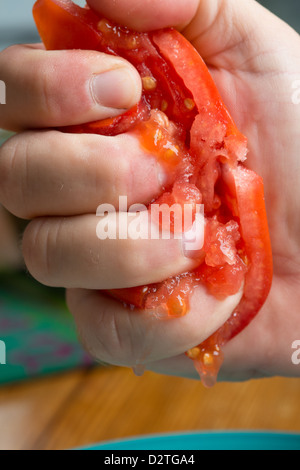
pixel 182 119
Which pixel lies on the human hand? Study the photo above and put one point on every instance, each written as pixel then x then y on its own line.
pixel 255 61
pixel 59 180
pixel 64 251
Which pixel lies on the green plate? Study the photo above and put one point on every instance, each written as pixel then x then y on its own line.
pixel 207 441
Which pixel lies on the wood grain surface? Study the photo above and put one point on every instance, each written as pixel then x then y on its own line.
pixel 90 406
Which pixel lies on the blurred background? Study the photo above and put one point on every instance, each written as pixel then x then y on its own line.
pixel 83 403
pixel 17 26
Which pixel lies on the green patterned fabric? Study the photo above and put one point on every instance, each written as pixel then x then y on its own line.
pixel 37 330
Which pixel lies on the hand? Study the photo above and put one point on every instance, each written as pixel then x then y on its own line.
pixel 60 180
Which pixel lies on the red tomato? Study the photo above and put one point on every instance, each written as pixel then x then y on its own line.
pixel 182 119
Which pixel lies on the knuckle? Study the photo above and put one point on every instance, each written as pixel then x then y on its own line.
pixel 108 332
pixel 6 150
pixel 50 103
pixel 9 155
pixel 109 340
pixel 14 174
pixel 123 347
pixel 61 73
pixel 9 53
pixel 29 244
pixel 38 247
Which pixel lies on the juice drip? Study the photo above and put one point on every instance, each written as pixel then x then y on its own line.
pixel 208 359
pixel 139 370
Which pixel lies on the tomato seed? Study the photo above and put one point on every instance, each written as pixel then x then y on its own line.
pixel 193 353
pixel 149 83
pixel 189 104
pixel 164 105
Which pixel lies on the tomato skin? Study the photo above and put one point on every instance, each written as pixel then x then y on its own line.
pixel 113 126
pixel 182 119
pixel 248 190
pixel 191 68
pixel 245 197
pixel 63 24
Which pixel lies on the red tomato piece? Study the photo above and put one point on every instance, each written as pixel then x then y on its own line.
pixel 183 121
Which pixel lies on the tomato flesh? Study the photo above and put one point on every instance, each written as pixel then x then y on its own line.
pixel 183 121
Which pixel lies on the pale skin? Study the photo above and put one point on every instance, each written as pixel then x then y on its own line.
pixel 57 181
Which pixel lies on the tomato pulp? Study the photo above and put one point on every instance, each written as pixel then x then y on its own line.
pixel 182 119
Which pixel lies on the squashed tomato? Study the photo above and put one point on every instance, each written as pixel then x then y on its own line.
pixel 182 119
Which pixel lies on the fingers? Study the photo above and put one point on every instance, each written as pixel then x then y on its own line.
pixel 52 173
pixel 58 88
pixel 74 252
pixel 234 35
pixel 120 336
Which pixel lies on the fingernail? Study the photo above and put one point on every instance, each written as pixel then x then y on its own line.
pixel 117 88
